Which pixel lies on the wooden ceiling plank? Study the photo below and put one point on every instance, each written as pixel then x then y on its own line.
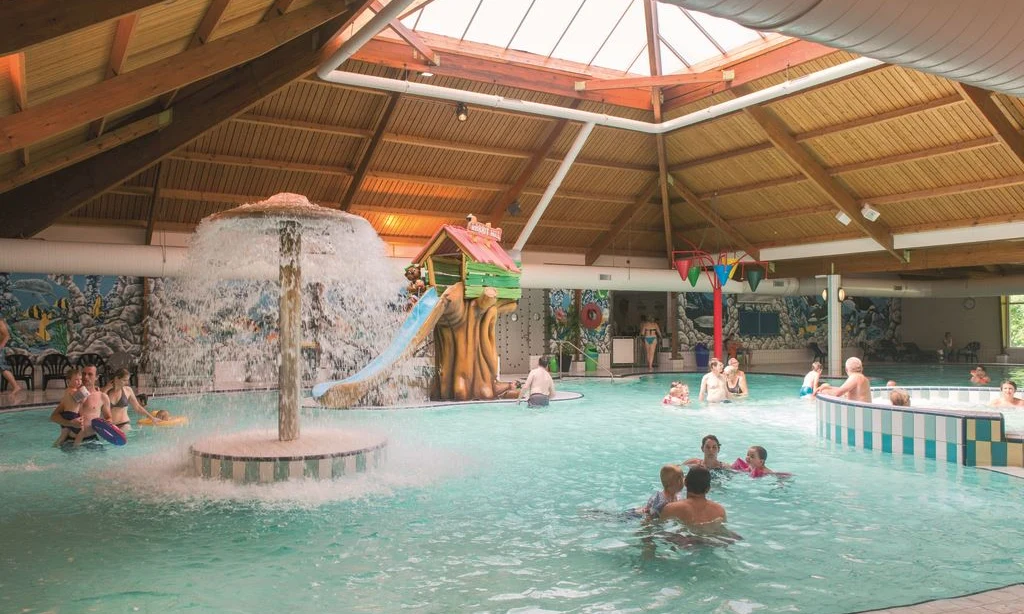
pixel 713 76
pixel 879 118
pixel 370 150
pixel 29 23
pixel 948 256
pixel 923 154
pixel 115 65
pixel 455 216
pixel 553 133
pixel 468 184
pixel 785 142
pixel 988 111
pixel 211 19
pixel 716 220
pixel 84 105
pixel 278 165
pixel 960 188
pixel 253 118
pixel 16 66
pixel 279 8
pixel 621 222
pixel 49 198
pixel 158 184
pixel 654 65
pixel 411 38
pixel 86 150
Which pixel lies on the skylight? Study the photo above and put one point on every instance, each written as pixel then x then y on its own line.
pixel 609 34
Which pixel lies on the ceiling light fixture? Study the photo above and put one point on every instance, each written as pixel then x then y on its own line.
pixel 461 112
pixel 870 213
pixel 841 293
pixel 514 208
pixel 426 74
pixel 843 218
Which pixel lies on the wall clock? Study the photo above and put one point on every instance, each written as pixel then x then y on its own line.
pixel 968 303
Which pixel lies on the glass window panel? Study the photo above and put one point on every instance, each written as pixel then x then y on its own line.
pixel 497 20
pixel 446 17
pixel 729 35
pixel 630 35
pixel 544 25
pixel 669 62
pixel 588 31
pixel 684 36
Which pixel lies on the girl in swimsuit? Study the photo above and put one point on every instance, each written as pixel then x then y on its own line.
pixel 121 396
pixel 650 331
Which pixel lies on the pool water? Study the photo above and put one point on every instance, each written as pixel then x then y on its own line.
pixel 498 508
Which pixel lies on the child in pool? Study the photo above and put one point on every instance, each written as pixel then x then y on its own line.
pixel 161 414
pixel 678 394
pixel 672 487
pixel 754 463
pixel 979 376
pixel 810 386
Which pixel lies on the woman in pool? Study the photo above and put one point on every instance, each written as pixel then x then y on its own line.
pixel 733 381
pixel 121 396
pixel 710 446
pixel 1007 397
pixel 649 333
pixel 713 387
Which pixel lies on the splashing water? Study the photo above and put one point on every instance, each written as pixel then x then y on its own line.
pixel 224 308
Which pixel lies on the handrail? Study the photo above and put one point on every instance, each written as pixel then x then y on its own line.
pixel 562 342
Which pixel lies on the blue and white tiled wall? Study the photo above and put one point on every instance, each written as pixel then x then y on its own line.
pixel 965 437
pixel 268 470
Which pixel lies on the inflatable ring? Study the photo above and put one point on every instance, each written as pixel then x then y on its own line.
pixel 591 315
pixel 175 421
pixel 108 431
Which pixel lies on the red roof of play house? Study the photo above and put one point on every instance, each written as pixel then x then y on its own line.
pixel 478 246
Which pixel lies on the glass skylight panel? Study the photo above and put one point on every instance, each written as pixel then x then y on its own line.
pixel 444 17
pixel 621 46
pixel 729 35
pixel 669 62
pixel 496 21
pixel 592 25
pixel 685 37
pixel 544 25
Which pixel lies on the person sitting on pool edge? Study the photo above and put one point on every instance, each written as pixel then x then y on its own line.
pixel 696 511
pixel 539 387
pixel 810 386
pixel 710 446
pixel 979 376
pixel 1007 396
pixel 857 386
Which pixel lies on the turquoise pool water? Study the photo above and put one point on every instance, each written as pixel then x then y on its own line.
pixel 497 508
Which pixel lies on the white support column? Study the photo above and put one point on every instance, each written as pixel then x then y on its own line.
pixel 835 326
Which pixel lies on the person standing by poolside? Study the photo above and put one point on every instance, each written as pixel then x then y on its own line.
pixel 5 369
pixel 1007 396
pixel 539 387
pixel 856 388
pixel 649 333
pixel 947 346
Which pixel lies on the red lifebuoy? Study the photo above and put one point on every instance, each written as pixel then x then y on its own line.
pixel 591 315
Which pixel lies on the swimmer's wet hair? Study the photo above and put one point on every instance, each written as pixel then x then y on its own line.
pixel 698 481
pixel 761 452
pixel 713 438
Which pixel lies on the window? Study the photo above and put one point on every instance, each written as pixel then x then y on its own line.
pixel 1015 309
pixel 756 323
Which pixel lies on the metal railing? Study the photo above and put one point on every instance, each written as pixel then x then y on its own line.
pixel 562 342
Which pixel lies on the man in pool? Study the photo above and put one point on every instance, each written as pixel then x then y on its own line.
pixel 96 406
pixel 539 387
pixel 857 387
pixel 696 511
pixel 1007 396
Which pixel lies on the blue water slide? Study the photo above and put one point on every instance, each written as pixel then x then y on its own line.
pixel 422 314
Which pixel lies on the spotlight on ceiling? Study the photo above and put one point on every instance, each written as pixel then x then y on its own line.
pixel 843 218
pixel 513 208
pixel 870 213
pixel 427 74
pixel 461 112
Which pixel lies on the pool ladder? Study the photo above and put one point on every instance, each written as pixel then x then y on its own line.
pixel 562 342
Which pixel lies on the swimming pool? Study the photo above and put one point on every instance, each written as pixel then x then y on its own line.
pixel 498 508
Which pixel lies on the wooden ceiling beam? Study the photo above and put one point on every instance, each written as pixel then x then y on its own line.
pixel 456 216
pixel 32 22
pixel 32 207
pixel 789 147
pixel 1002 218
pixel 16 67
pixel 913 156
pixel 654 66
pixel 468 184
pixel 948 190
pixel 279 8
pixel 713 76
pixel 211 19
pixel 716 220
pixel 553 132
pixel 947 256
pixel 621 222
pixel 86 150
pixel 775 58
pixel 158 184
pixel 413 39
pixel 86 104
pixel 115 65
pixel 492 69
pixel 245 162
pixel 985 107
pixel 296 124
pixel 370 150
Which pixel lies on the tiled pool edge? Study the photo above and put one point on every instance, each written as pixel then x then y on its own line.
pixel 965 437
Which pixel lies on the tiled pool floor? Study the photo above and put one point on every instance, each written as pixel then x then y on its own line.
pixel 1008 599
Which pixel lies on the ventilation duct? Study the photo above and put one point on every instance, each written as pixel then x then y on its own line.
pixel 973 42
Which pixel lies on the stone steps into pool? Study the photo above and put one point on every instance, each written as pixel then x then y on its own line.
pixel 1007 599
